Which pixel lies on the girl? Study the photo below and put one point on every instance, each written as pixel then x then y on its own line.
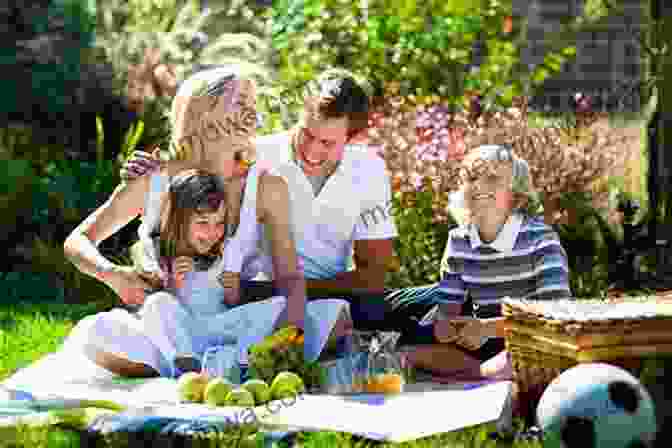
pixel 213 119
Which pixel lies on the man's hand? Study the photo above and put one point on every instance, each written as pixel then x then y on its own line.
pixel 182 265
pixel 230 281
pixel 129 285
pixel 139 164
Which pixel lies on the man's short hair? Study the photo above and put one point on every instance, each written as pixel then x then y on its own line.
pixel 338 93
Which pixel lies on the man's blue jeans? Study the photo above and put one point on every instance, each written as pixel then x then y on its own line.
pixel 373 311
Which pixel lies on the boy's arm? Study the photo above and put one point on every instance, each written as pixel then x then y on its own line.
pixel 551 269
pixel 451 283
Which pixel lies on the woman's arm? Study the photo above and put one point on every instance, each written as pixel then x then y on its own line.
pixel 287 276
pixel 81 246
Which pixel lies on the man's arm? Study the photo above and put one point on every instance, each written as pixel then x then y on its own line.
pixel 372 261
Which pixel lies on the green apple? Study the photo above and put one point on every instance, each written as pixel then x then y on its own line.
pixel 191 386
pixel 284 380
pixel 259 390
pixel 216 391
pixel 240 397
pixel 282 392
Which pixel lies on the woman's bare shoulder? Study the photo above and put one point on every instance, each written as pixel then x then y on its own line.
pixel 273 193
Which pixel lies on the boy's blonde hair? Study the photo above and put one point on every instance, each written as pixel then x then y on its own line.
pixel 525 197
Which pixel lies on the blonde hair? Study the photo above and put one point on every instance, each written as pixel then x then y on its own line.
pixel 195 97
pixel 525 197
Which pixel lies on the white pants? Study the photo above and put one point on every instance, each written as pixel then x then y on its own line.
pixel 164 327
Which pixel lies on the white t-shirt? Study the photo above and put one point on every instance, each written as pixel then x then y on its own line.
pixel 354 204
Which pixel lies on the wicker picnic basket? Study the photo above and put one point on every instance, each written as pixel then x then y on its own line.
pixel 544 338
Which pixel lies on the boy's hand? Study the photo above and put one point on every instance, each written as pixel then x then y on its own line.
pixel 470 332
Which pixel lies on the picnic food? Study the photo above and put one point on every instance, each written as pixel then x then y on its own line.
pixel 386 383
pixel 285 385
pixel 283 351
pixel 259 390
pixel 216 391
pixel 240 397
pixel 384 372
pixel 191 386
pixel 597 405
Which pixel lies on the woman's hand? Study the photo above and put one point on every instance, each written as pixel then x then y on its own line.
pixel 182 265
pixel 139 164
pixel 230 281
pixel 129 285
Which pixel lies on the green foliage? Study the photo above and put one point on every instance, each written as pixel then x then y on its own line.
pixel 126 29
pixel 427 47
pixel 592 246
pixel 421 241
pixel 73 20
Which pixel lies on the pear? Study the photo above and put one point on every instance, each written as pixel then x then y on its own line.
pixel 259 390
pixel 216 391
pixel 191 386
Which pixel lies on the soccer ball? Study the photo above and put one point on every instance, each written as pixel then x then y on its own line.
pixel 596 406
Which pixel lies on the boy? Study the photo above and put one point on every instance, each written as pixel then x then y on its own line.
pixel 500 249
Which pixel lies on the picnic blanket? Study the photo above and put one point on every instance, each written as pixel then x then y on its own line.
pixel 423 409
pixel 67 379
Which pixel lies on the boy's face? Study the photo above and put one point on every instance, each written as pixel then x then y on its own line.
pixel 488 188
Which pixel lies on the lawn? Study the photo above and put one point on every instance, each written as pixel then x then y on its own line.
pixel 30 331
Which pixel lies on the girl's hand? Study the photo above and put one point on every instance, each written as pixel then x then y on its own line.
pixel 230 281
pixel 139 164
pixel 182 265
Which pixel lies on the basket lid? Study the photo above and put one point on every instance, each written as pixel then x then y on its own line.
pixel 586 310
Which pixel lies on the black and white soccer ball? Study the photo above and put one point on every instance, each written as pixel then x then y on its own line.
pixel 596 406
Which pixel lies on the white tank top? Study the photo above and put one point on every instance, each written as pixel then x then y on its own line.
pixel 242 253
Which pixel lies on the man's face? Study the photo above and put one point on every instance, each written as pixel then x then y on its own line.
pixel 321 143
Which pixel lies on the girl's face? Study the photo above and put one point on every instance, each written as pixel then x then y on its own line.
pixel 206 229
pixel 487 189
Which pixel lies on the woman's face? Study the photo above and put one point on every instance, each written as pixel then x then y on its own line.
pixel 206 229
pixel 214 129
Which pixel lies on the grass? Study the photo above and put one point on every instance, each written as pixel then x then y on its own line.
pixel 30 331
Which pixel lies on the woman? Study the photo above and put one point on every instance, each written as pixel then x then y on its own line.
pixel 213 120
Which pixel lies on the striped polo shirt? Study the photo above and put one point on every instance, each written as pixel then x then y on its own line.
pixel 526 260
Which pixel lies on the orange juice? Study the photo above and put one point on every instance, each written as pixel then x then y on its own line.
pixel 387 383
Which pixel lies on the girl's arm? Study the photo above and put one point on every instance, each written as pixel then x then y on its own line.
pixel 287 275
